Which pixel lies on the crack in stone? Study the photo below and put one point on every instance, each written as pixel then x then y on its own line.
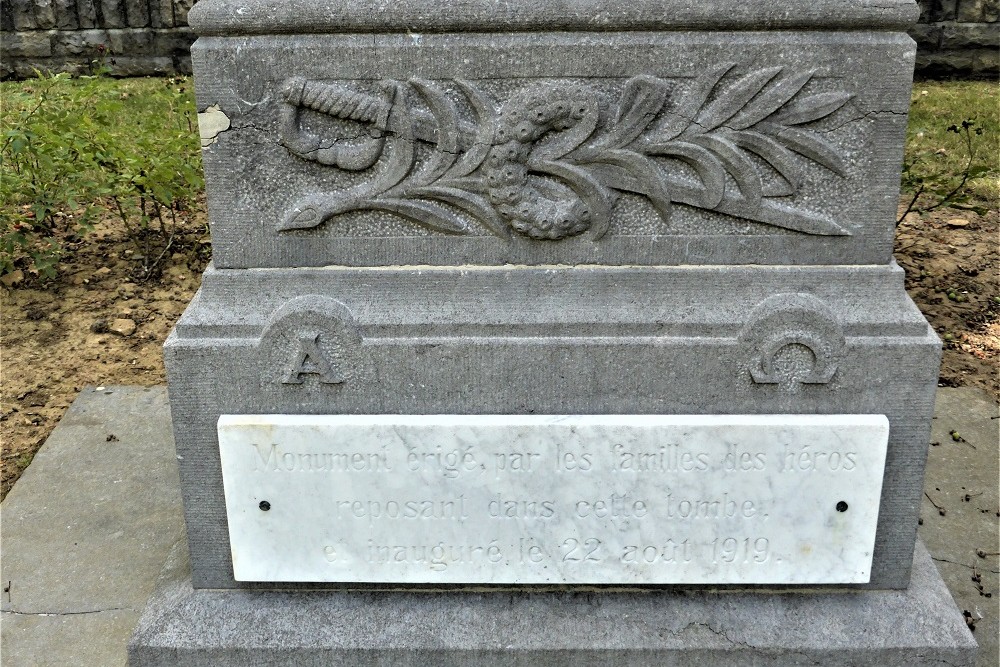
pixel 970 567
pixel 211 123
pixel 63 613
pixel 714 631
pixel 865 116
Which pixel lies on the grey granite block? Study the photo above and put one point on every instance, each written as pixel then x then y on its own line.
pixel 87 13
pixel 113 13
pixel 917 627
pixel 515 208
pixel 227 17
pixel 549 340
pixel 66 15
pixel 26 44
pixel 45 14
pixel 625 148
pixel 23 12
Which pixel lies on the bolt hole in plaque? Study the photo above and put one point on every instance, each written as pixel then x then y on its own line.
pixel 588 499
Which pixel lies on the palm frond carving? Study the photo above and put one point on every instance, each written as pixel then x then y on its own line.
pixel 542 163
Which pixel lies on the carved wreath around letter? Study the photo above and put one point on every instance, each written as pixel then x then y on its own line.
pixel 538 164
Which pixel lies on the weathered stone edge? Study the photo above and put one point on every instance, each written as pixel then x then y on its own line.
pixel 915 627
pixel 255 17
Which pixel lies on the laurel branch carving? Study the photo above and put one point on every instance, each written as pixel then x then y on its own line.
pixel 544 165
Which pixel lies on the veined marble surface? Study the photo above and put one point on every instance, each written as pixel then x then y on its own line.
pixel 595 499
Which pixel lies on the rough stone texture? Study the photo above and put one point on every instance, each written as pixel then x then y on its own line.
pixel 962 480
pixel 553 341
pixel 215 17
pixel 78 43
pixel 143 36
pixel 154 51
pixel 45 16
pixel 927 36
pixel 958 38
pixel 86 11
pixel 161 13
pixel 499 220
pixel 113 12
pixel 23 12
pixel 86 531
pixel 647 186
pixel 66 15
pixel 979 35
pixel 28 45
pixel 977 10
pixel 138 12
pixel 918 627
pixel 967 11
pixel 983 62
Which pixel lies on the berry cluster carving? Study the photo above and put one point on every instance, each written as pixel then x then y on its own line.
pixel 548 163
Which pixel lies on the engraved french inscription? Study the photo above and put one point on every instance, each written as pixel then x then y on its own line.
pixel 614 499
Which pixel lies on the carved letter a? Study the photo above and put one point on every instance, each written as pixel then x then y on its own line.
pixel 311 361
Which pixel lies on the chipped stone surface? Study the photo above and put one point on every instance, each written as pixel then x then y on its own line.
pixel 771 140
pixel 212 122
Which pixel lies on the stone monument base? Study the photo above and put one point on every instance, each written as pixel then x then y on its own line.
pixel 580 628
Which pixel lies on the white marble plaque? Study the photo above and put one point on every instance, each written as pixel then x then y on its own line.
pixel 640 499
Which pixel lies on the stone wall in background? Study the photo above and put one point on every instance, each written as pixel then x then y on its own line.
pixel 958 38
pixel 134 37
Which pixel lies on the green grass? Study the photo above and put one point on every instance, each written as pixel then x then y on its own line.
pixel 24 460
pixel 136 114
pixel 141 116
pixel 942 155
pixel 140 106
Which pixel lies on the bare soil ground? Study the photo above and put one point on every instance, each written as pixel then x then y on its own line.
pixel 952 263
pixel 77 330
pixel 59 336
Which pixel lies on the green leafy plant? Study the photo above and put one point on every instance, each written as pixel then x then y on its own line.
pixel 934 186
pixel 154 180
pixel 74 149
pixel 46 188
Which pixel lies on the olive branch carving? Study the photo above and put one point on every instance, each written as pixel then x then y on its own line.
pixel 538 165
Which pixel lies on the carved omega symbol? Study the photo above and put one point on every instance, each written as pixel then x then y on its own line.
pixel 792 340
pixel 551 160
pixel 795 357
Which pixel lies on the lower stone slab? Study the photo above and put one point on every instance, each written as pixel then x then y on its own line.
pixel 583 627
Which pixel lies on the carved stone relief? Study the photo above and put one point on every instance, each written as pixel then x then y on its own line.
pixel 792 340
pixel 550 161
pixel 311 341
